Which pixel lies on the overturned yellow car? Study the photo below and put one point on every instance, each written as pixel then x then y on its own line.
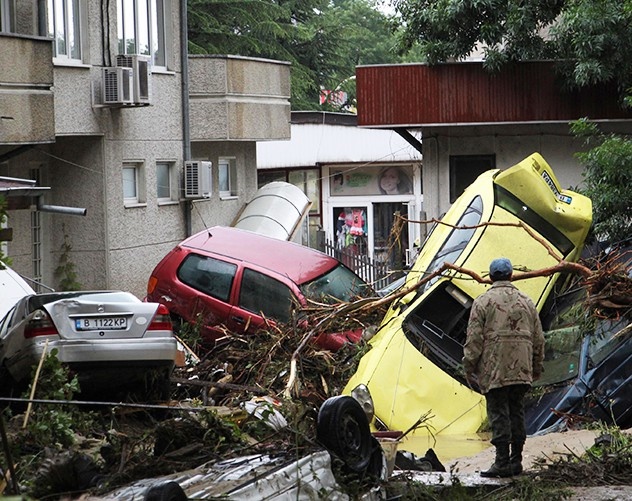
pixel 414 364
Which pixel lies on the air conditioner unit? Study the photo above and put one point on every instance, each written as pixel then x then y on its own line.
pixel 117 86
pixel 141 67
pixel 197 179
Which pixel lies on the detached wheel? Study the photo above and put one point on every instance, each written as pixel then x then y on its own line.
pixel 343 429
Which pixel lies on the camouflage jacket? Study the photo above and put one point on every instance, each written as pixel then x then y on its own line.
pixel 505 343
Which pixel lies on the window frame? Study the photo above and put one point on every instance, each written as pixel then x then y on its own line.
pixel 156 32
pixel 170 166
pixel 75 19
pixel 139 198
pixel 7 16
pixel 231 164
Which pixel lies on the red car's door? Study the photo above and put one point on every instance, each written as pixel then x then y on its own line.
pixel 204 294
pixel 258 299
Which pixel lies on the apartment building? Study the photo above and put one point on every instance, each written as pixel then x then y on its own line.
pixel 132 144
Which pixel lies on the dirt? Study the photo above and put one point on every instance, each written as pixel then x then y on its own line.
pixel 550 447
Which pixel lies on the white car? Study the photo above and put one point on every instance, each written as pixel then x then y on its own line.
pixel 12 288
pixel 110 339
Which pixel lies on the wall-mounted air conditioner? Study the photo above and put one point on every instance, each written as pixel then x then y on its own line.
pixel 141 68
pixel 117 86
pixel 197 179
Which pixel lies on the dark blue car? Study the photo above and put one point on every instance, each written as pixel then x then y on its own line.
pixel 588 360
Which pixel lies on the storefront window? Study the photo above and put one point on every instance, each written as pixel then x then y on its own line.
pixel 362 181
pixel 351 229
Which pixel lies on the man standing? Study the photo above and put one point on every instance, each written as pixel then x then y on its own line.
pixel 504 350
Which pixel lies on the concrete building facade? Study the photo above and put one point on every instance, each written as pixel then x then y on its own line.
pixel 100 102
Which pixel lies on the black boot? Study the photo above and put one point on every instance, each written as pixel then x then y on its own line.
pixel 515 459
pixel 501 467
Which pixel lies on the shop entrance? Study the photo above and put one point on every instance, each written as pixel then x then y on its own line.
pixel 362 239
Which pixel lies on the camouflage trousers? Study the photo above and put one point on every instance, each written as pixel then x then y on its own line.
pixel 505 411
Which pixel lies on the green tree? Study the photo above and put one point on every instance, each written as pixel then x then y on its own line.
pixel 323 40
pixel 590 38
pixel 260 28
pixel 607 180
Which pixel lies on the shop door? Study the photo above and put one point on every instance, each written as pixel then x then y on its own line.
pixel 390 247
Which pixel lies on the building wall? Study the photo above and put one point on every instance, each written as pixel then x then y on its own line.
pixel 223 211
pixel 510 144
pixel 113 246
pixel 26 100
pixel 117 245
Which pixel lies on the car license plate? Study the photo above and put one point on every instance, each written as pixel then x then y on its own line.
pixel 101 323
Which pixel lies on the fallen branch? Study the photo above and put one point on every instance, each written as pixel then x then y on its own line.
pixel 365 305
pixel 222 386
pixel 34 387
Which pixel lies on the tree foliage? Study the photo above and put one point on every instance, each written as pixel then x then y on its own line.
pixel 590 38
pixel 607 180
pixel 323 40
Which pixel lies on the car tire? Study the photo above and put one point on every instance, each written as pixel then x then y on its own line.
pixel 168 491
pixel 343 429
pixel 377 468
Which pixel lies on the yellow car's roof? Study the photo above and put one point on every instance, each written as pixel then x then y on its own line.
pixel 534 183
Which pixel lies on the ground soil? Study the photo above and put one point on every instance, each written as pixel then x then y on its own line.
pixel 551 447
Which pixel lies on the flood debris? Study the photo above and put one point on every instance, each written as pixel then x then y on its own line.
pixel 254 395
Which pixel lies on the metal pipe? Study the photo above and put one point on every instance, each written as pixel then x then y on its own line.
pixel 60 209
pixel 186 128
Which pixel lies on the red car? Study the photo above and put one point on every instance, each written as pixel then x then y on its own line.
pixel 240 279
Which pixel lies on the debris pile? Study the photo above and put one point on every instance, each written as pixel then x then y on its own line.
pixel 609 287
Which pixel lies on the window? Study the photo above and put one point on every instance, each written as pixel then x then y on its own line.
pixel 515 206
pixel 265 296
pixel 208 275
pixel 164 174
pixel 459 237
pixel 133 192
pixel 338 284
pixel 142 29
pixel 64 26
pixel 227 177
pixel 464 169
pixel 7 16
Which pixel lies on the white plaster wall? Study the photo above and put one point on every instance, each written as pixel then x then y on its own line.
pixel 217 211
pixel 311 144
pixel 510 144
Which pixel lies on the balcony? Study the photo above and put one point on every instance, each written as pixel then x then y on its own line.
pixel 26 91
pixel 235 98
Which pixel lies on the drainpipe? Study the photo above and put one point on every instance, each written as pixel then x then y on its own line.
pixel 186 130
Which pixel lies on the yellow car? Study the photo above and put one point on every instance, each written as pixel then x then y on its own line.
pixel 414 364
